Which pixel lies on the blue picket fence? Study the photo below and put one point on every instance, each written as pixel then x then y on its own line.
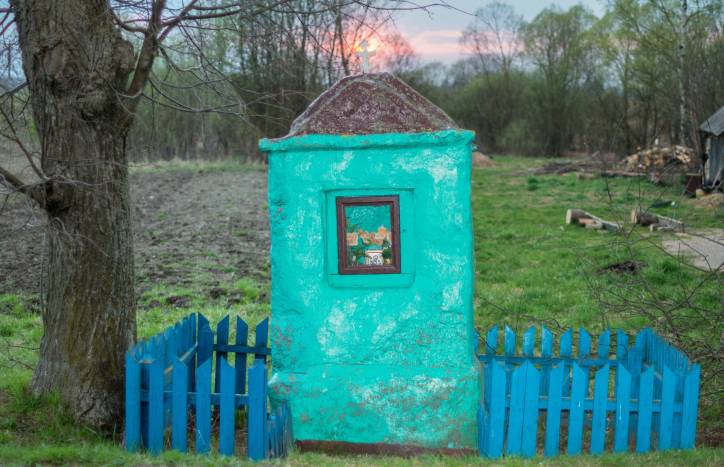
pixel 181 381
pixel 643 396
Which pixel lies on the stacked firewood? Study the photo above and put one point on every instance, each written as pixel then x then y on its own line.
pixel 658 157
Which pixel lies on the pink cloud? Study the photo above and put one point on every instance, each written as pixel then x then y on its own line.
pixel 436 44
pixel 444 45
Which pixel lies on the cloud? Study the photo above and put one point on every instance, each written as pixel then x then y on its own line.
pixel 437 44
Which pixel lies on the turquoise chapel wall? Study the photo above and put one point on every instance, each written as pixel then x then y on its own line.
pixel 374 358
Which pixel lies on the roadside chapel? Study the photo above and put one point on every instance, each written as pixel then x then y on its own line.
pixel 372 271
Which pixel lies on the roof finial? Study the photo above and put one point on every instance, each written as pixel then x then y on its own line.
pixel 364 53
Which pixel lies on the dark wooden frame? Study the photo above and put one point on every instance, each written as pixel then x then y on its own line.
pixel 342 202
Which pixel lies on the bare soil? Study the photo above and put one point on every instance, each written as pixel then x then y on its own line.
pixel 192 228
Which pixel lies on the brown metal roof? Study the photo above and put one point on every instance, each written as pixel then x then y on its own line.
pixel 714 124
pixel 370 103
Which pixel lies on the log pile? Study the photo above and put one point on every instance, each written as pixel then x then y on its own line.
pixel 589 221
pixel 638 216
pixel 658 157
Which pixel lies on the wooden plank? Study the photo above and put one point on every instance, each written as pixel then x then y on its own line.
pixel 575 416
pixel 517 405
pixel 206 346
pixel 530 413
pixel 192 336
pixel 180 406
pixel 690 407
pixel 509 341
pixel 519 360
pixel 666 417
pixel 261 334
pixel 491 341
pixel 566 351
pixel 646 394
pixel 546 344
pixel 623 401
pixel 553 417
pixel 495 430
pixel 203 405
pixel 546 351
pixel 222 338
pixel 584 343
pixel 155 407
pixel 227 408
pixel 256 419
pixel 604 344
pixel 242 336
pixel 529 342
pixel 600 399
pixel 621 345
pixel 133 403
pixel 242 349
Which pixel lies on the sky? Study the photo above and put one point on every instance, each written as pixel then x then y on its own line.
pixel 435 35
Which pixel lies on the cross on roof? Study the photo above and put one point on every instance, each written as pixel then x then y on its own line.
pixel 364 53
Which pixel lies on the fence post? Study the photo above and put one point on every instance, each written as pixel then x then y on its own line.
pixel 495 430
pixel 257 411
pixel 242 338
pixel 179 399
pixel 227 407
pixel 133 403
pixel 203 406
pixel 689 407
pixel 577 412
pixel 600 397
pixel 623 401
pixel 155 406
pixel 553 417
pixel 222 337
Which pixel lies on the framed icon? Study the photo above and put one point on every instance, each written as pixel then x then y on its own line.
pixel 368 234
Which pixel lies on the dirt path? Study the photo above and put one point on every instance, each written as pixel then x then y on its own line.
pixel 192 229
pixel 705 248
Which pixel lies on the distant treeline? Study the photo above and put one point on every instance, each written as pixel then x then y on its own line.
pixel 567 81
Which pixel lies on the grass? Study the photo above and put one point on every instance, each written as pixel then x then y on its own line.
pixel 530 268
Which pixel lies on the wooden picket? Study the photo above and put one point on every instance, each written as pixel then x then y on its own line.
pixel 652 402
pixel 186 368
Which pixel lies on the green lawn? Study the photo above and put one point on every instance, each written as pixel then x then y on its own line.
pixel 531 269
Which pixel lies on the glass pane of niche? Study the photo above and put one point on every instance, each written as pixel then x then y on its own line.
pixel 368 234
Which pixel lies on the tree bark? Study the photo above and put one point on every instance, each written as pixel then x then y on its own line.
pixel 76 65
pixel 683 18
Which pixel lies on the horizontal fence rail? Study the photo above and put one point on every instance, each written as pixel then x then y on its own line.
pixel 625 397
pixel 182 381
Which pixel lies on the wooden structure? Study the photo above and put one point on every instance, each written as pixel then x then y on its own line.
pixel 712 136
pixel 646 394
pixel 170 375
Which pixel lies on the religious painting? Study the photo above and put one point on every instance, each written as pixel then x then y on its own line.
pixel 368 234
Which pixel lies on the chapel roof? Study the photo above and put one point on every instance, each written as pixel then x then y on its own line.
pixel 370 103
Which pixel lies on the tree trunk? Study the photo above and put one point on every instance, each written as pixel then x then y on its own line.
pixel 76 65
pixel 683 130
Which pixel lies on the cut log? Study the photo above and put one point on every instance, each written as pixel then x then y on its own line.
pixel 581 217
pixel 573 215
pixel 594 226
pixel 650 219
